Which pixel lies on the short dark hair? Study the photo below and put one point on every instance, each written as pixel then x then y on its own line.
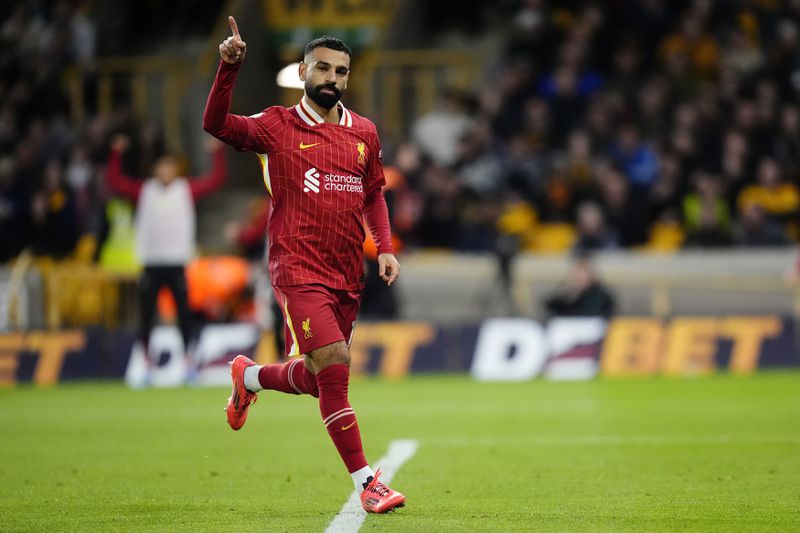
pixel 327 41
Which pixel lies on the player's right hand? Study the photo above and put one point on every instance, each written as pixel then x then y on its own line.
pixel 233 49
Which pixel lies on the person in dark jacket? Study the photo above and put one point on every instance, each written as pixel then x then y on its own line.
pixel 582 293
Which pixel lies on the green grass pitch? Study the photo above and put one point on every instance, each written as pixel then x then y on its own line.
pixel 719 453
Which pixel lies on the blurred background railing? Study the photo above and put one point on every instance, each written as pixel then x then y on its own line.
pixel 445 288
pixel 397 86
pixel 149 86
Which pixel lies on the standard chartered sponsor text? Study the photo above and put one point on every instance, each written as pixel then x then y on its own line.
pixel 344 183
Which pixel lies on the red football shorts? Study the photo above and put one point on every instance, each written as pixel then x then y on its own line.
pixel 315 316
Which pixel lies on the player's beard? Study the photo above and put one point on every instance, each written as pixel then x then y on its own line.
pixel 324 100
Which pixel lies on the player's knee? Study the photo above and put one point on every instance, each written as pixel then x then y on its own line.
pixel 333 354
pixel 339 356
pixel 342 357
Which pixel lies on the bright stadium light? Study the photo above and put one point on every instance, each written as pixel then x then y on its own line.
pixel 288 78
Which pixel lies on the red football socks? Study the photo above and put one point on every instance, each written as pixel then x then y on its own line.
pixel 291 378
pixel 338 417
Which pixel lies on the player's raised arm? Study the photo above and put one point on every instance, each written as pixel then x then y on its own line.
pixel 217 120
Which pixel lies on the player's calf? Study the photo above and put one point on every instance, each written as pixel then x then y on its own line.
pixel 291 377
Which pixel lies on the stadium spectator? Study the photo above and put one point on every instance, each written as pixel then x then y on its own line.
pixel 524 169
pixel 80 174
pixel 778 199
pixel 625 75
pixel 480 167
pixel 706 214
pixel 579 160
pixel 14 212
pixel 693 43
pixel 53 214
pixel 536 126
pixel 734 164
pixel 593 234
pixel 440 223
pixel 165 227
pixel 559 196
pixel 635 157
pixel 665 194
pixel 439 131
pixel 626 208
pixel 755 228
pixel 582 294
pixel 514 89
pixel 742 53
pixel 651 110
pixel 566 95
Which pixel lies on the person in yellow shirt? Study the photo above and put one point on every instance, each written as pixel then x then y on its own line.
pixel 695 44
pixel 778 198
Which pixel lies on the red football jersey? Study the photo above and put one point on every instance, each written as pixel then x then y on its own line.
pixel 322 177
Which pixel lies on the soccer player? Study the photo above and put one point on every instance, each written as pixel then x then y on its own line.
pixel 322 167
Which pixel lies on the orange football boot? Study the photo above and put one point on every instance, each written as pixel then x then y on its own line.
pixel 240 399
pixel 378 498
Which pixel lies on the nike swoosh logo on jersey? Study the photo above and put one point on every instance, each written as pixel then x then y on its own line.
pixel 345 428
pixel 304 146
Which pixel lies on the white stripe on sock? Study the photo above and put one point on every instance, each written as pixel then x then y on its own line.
pixel 327 418
pixel 291 379
pixel 342 415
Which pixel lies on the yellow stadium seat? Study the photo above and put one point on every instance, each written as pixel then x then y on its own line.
pixel 665 237
pixel 85 249
pixel 522 220
pixel 554 238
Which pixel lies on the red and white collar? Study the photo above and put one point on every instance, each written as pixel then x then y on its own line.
pixel 312 118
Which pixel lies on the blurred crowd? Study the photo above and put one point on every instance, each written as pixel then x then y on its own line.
pixel 626 124
pixel 622 124
pixel 45 175
pixel 53 186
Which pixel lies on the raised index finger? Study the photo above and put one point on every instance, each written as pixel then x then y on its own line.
pixel 234 27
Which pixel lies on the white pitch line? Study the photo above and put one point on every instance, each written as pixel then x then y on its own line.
pixel 616 440
pixel 352 515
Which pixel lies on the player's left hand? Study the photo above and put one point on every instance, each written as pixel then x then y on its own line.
pixel 388 268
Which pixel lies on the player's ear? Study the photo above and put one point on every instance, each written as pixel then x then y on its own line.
pixel 301 70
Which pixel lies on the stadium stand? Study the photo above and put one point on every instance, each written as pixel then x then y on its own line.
pixel 578 126
pixel 674 118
